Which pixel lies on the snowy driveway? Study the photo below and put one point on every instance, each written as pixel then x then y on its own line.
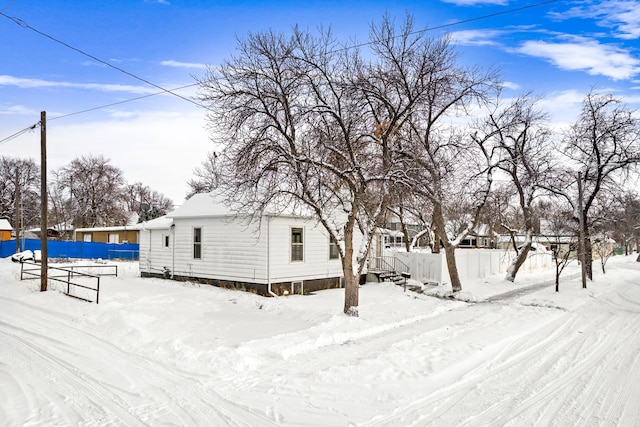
pixel 156 352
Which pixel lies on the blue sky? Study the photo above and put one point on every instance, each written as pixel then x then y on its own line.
pixel 559 50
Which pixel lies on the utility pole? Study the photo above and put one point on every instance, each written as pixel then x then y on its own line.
pixel 18 202
pixel 44 267
pixel 581 244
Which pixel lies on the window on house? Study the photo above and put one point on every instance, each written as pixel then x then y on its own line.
pixel 197 243
pixel 297 245
pixel 114 238
pixel 165 241
pixel 333 251
pixel 86 237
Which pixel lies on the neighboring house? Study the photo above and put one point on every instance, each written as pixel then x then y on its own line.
pixel 482 237
pixel 5 229
pixel 603 247
pixel 119 234
pixel 206 241
pixel 62 231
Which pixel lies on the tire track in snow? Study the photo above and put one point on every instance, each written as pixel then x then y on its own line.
pixel 393 349
pixel 560 381
pixel 151 394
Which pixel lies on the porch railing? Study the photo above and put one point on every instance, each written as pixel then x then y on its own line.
pixel 386 264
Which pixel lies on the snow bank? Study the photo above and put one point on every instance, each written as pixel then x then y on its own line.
pixel 162 352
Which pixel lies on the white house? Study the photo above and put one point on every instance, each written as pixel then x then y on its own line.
pixel 206 241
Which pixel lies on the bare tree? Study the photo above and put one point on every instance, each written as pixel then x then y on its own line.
pixel 205 178
pixel 451 168
pixel 603 145
pixel 25 174
pixel 302 119
pixel 604 248
pixel 623 219
pixel 60 201
pixel 525 148
pixel 145 202
pixel 95 190
pixel 561 234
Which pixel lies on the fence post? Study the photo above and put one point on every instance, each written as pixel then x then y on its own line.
pixel 68 282
pixel 98 291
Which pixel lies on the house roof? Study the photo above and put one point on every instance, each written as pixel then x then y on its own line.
pixel 5 225
pixel 159 223
pixel 117 228
pixel 214 205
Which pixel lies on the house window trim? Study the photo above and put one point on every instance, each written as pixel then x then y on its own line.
pixel 291 244
pixel 337 251
pixel 196 244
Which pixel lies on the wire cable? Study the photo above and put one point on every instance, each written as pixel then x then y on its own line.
pixel 19 133
pixel 120 102
pixel 451 24
pixel 8 6
pixel 23 24
pixel 23 131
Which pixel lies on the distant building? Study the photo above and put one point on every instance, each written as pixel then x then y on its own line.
pixel 119 234
pixel 5 229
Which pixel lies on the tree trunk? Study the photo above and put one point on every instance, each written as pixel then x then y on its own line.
pixel 517 262
pixel 588 255
pixel 435 247
pixel 450 253
pixel 351 281
pixel 405 233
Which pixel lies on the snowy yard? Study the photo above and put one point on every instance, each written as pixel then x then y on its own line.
pixel 157 352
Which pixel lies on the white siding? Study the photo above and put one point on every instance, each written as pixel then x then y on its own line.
pixel 231 250
pixel 153 255
pixel 316 264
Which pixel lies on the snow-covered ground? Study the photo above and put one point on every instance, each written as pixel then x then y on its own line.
pixel 157 352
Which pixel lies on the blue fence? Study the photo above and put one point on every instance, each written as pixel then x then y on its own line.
pixel 86 250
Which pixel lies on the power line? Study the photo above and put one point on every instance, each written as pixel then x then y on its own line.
pixel 8 6
pixel 19 133
pixel 120 102
pixel 30 128
pixel 451 24
pixel 23 24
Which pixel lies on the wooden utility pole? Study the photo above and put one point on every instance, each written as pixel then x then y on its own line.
pixel 18 202
pixel 581 245
pixel 44 267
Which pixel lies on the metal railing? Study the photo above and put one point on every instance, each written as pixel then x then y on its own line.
pixel 70 276
pixel 386 264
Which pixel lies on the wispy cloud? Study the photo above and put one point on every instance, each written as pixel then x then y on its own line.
pixel 25 83
pixel 157 1
pixel 17 110
pixel 476 37
pixel 585 55
pixel 511 85
pixel 622 16
pixel 178 64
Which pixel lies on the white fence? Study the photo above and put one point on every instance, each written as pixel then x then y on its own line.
pixel 471 263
